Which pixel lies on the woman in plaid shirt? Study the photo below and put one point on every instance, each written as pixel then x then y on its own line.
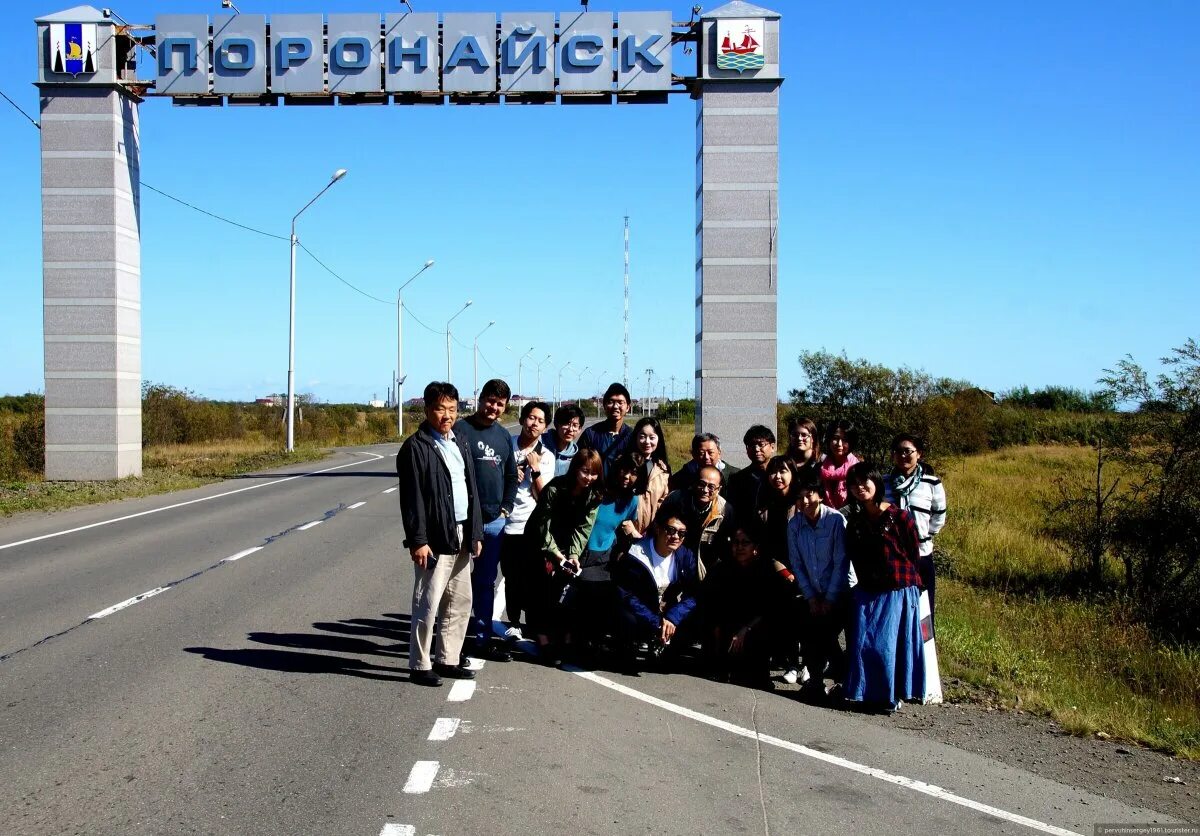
pixel 887 658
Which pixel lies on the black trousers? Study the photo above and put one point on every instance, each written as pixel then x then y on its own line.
pixel 522 574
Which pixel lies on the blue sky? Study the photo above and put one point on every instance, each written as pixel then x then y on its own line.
pixel 1003 192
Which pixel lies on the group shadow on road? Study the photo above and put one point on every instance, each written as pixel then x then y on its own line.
pixel 354 637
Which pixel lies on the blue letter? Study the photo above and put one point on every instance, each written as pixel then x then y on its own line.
pixel 571 57
pixel 536 45
pixel 415 53
pixel 337 55
pixel 166 54
pixel 225 58
pixel 292 51
pixel 467 51
pixel 631 51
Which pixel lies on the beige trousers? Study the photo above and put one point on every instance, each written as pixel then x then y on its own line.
pixel 441 598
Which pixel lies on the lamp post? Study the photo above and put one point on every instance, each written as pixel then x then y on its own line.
pixel 579 377
pixel 449 368
pixel 291 376
pixel 558 385
pixel 400 375
pixel 520 360
pixel 539 368
pixel 599 391
pixel 477 336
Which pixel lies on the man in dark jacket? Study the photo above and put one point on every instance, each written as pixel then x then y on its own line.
pixel 443 531
pixel 610 437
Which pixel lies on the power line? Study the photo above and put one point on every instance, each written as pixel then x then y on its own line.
pixel 213 214
pixel 32 121
pixel 419 322
pixel 331 272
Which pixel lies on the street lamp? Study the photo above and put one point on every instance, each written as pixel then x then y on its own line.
pixel 449 368
pixel 579 377
pixel 558 386
pixel 400 375
pixel 291 376
pixel 520 360
pixel 477 336
pixel 539 368
pixel 599 391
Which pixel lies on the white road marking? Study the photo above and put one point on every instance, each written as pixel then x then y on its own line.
pixel 444 728
pixel 242 553
pixel 391 489
pixel 391 829
pixel 312 524
pixel 181 504
pixel 355 505
pixel 421 777
pixel 461 690
pixel 136 599
pixel 899 780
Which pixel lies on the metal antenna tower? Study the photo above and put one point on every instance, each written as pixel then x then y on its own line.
pixel 625 374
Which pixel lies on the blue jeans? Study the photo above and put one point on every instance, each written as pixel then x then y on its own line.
pixel 483 581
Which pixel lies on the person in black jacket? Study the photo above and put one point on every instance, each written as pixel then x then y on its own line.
pixel 443 531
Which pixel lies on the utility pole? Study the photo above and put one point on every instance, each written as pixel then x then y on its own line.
pixel 625 375
pixel 646 403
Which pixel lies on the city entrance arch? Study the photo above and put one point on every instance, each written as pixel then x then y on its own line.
pixel 90 163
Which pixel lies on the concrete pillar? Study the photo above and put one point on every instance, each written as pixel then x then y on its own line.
pixel 91 260
pixel 737 224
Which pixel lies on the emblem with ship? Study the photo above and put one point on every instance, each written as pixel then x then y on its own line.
pixel 744 55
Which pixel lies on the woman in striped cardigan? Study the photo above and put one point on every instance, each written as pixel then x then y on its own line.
pixel 913 486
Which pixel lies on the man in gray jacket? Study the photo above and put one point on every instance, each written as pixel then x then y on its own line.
pixel 443 531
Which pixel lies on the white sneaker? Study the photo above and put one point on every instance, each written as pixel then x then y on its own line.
pixel 514 634
pixel 804 675
pixel 791 676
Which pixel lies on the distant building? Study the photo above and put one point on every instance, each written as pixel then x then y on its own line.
pixel 271 400
pixel 375 404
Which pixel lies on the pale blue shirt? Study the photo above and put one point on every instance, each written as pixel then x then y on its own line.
pixel 818 554
pixel 452 456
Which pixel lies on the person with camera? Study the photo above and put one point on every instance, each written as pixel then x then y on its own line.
pixel 561 524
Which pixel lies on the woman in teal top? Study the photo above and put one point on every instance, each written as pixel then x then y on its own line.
pixel 593 596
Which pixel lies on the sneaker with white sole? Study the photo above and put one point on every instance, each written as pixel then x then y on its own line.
pixel 514 634
pixel 791 676
pixel 804 675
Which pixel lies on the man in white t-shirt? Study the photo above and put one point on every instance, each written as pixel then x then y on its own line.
pixel 535 469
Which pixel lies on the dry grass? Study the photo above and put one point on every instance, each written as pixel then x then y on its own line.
pixel 1006 625
pixel 165 469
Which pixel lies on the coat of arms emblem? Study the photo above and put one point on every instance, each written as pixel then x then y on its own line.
pixel 73 48
pixel 740 45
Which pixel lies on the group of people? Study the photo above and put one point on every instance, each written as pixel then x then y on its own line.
pixel 604 548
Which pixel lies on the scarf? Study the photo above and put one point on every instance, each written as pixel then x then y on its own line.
pixel 905 485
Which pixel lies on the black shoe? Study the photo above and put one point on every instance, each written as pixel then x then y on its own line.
pixel 424 678
pixel 458 671
pixel 494 652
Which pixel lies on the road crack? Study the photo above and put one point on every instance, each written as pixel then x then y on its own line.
pixel 762 796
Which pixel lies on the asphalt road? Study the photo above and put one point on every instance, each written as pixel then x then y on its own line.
pixel 268 694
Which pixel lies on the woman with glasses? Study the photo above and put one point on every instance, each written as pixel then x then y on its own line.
pixel 739 600
pixel 914 486
pixel 886 652
pixel 656 583
pixel 803 443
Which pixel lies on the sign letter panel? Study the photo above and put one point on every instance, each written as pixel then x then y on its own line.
pixel 182 54
pixel 239 54
pixel 354 62
pixel 644 51
pixel 410 53
pixel 585 45
pixel 297 54
pixel 469 53
pixel 527 53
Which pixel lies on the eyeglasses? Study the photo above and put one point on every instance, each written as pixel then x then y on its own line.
pixel 706 487
pixel 759 445
pixel 672 531
pixel 741 542
pixel 906 451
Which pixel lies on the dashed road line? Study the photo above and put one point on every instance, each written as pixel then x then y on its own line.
pixel 136 599
pixel 444 728
pixel 834 760
pixel 391 489
pixel 461 691
pixel 355 505
pixel 182 504
pixel 393 829
pixel 242 553
pixel 312 524
pixel 420 779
